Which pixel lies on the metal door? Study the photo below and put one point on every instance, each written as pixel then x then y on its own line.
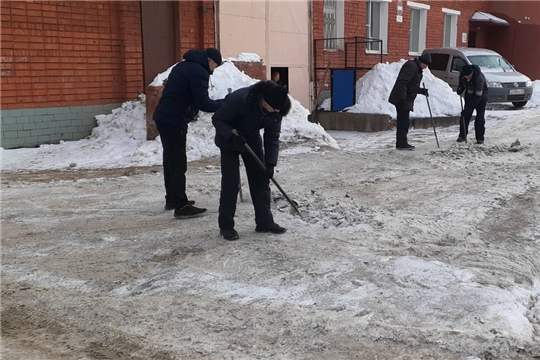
pixel 343 89
pixel 159 37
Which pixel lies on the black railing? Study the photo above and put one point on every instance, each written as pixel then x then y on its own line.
pixel 352 53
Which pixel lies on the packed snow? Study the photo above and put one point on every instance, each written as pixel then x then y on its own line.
pixel 535 99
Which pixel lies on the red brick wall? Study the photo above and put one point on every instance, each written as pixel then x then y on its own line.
pixel 197 25
pixel 398 33
pixel 69 53
pixel 256 70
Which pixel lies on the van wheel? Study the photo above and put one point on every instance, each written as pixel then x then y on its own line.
pixel 519 104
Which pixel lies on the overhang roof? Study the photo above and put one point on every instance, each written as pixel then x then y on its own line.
pixel 480 16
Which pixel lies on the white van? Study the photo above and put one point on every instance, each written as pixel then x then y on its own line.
pixel 504 82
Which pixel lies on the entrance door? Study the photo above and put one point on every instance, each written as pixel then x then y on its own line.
pixel 159 37
pixel 343 92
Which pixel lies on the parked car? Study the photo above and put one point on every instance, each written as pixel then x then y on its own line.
pixel 504 82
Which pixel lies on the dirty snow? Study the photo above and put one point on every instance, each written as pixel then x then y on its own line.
pixel 399 255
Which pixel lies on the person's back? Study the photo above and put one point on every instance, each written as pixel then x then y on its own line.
pixel 186 91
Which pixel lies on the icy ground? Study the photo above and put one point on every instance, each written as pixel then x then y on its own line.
pixel 430 254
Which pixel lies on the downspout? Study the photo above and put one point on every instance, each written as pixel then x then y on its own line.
pixel 267 37
pixel 310 54
pixel 216 24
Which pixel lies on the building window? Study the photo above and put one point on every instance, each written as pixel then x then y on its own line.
pixel 417 27
pixel 450 27
pixel 334 25
pixel 377 25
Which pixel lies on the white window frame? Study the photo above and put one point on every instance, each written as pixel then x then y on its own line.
pixel 334 45
pixel 423 26
pixel 384 26
pixel 453 26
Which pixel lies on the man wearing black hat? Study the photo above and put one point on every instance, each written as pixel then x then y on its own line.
pixel 247 110
pixel 472 84
pixel 404 92
pixel 185 93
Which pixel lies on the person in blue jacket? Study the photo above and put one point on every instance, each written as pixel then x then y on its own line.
pixel 185 93
pixel 248 110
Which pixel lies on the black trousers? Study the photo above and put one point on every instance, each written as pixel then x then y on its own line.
pixel 259 187
pixel 173 140
pixel 479 122
pixel 403 124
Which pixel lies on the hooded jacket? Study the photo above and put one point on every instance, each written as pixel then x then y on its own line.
pixel 407 85
pixel 186 91
pixel 242 110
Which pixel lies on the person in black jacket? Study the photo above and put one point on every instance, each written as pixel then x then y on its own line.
pixel 247 110
pixel 185 93
pixel 473 83
pixel 404 92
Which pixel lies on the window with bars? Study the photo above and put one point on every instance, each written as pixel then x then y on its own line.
pixel 333 24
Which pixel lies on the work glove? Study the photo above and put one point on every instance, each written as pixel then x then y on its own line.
pixel 237 138
pixel 269 171
pixel 424 91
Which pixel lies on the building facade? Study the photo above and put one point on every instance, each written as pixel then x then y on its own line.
pixel 278 31
pixel 342 31
pixel 63 62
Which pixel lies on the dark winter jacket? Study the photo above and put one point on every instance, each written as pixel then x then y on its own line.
pixel 475 90
pixel 407 85
pixel 242 110
pixel 186 91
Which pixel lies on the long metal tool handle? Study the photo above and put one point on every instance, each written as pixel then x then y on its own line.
pixel 272 178
pixel 462 119
pixel 431 116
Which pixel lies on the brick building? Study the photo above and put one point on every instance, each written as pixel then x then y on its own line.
pixel 406 28
pixel 63 62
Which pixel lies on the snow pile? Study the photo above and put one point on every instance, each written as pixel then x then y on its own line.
pixel 295 127
pixel 119 140
pixel 373 90
pixel 247 57
pixel 535 99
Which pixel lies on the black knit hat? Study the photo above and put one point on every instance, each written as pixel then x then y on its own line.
pixel 214 54
pixel 276 97
pixel 426 59
pixel 466 70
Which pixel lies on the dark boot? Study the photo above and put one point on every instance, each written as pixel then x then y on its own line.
pixel 188 211
pixel 461 139
pixel 270 228
pixel 405 147
pixel 169 206
pixel 229 234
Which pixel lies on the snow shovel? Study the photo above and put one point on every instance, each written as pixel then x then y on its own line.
pixel 431 116
pixel 235 133
pixel 461 119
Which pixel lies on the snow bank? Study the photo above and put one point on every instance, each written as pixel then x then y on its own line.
pixel 119 140
pixel 373 90
pixel 535 99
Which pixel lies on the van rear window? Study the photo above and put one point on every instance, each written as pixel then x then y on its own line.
pixel 439 62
